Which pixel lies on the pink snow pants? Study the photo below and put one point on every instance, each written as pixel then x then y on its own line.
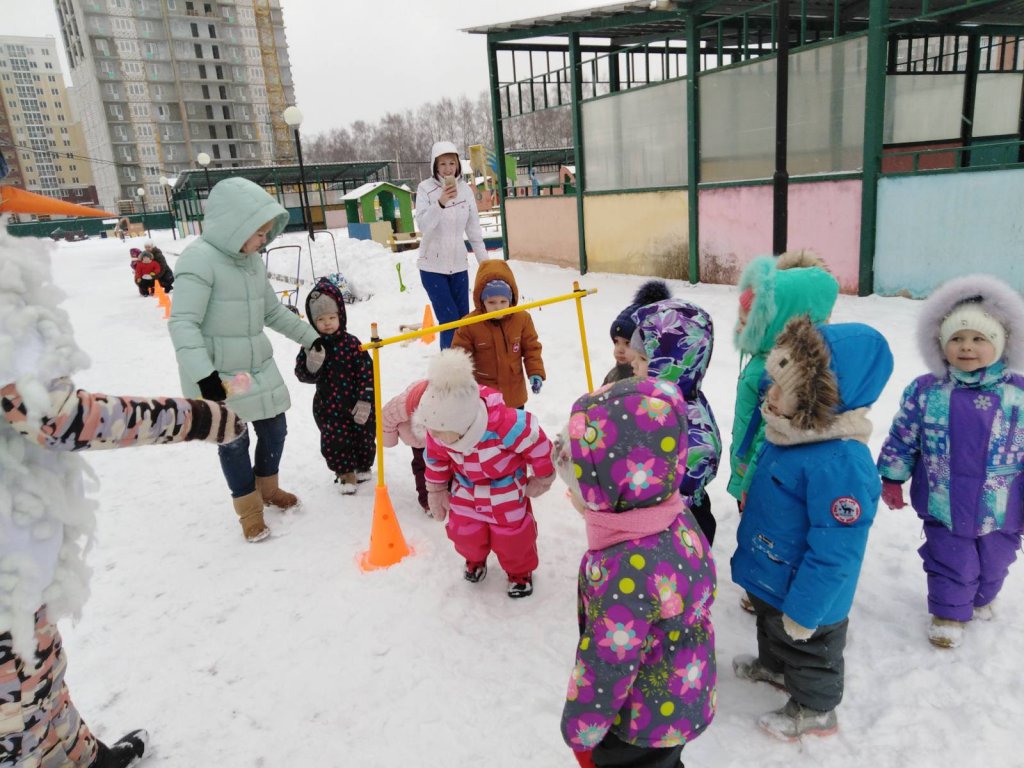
pixel 515 545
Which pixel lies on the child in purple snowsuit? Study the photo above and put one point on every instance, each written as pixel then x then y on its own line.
pixel 958 437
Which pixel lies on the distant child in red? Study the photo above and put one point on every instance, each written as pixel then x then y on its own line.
pixel 146 271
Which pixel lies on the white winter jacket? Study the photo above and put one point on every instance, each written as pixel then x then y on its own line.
pixel 442 248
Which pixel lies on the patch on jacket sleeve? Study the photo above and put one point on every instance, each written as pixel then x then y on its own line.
pixel 846 510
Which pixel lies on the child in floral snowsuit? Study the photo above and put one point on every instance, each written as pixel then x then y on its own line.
pixel 673 340
pixel 643 684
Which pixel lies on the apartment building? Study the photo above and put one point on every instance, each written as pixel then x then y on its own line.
pixel 161 81
pixel 39 136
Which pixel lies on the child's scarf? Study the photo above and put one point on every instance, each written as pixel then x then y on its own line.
pixel 607 528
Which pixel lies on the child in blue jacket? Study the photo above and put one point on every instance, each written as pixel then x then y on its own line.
pixel 804 529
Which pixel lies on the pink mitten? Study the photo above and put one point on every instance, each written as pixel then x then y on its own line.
pixel 238 384
pixel 892 494
pixel 439 499
pixel 535 486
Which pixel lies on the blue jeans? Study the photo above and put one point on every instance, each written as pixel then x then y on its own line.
pixel 450 296
pixel 234 457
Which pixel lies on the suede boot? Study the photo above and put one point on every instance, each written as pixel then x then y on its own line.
pixel 274 496
pixel 249 509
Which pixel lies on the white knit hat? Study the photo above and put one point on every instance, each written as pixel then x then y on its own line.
pixel 972 317
pixel 451 401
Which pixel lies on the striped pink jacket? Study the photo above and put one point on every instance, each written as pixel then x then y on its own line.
pixel 490 481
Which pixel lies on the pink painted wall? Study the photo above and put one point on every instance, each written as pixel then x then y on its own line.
pixel 736 226
pixel 543 229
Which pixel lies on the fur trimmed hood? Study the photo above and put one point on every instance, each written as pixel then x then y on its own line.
pixel 991 295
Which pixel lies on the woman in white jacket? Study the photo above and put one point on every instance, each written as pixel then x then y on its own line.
pixel 445 210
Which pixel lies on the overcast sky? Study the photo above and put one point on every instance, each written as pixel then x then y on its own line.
pixel 358 59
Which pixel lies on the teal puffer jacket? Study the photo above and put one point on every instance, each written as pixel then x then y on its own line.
pixel 222 301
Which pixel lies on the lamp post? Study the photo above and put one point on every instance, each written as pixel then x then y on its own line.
pixel 166 184
pixel 204 160
pixel 141 193
pixel 293 117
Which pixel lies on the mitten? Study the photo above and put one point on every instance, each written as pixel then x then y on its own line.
pixel 535 486
pixel 585 759
pixel 439 499
pixel 796 631
pixel 536 382
pixel 214 423
pixel 892 494
pixel 361 412
pixel 315 356
pixel 212 388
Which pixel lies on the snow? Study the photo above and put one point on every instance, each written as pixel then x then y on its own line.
pixel 285 653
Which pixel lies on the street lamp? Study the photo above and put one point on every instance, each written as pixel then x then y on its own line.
pixel 204 160
pixel 167 184
pixel 141 192
pixel 293 117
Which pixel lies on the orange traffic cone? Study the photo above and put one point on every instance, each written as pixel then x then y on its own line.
pixel 387 544
pixel 428 322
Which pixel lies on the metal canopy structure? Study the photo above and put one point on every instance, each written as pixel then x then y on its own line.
pixel 544 156
pixel 348 175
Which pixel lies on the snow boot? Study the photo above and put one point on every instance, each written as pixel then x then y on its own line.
pixel 363 475
pixel 520 586
pixel 123 753
pixel 794 720
pixel 984 612
pixel 249 509
pixel 346 483
pixel 273 495
pixel 749 667
pixel 745 603
pixel 946 633
pixel 475 572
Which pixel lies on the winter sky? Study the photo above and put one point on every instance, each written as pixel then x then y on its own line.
pixel 337 50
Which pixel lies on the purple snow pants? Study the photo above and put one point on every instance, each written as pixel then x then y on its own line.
pixel 964 573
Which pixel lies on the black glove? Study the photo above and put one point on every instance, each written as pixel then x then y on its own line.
pixel 212 388
pixel 318 345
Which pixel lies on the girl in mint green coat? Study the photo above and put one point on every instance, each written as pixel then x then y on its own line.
pixel 222 303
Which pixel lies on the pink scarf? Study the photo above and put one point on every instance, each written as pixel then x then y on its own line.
pixel 607 528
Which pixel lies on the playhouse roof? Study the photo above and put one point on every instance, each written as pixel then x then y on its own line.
pixel 371 187
pixel 346 174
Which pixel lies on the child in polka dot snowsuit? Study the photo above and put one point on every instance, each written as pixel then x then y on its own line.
pixel 343 404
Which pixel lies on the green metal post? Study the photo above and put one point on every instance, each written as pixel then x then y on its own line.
pixel 499 138
pixel 577 140
pixel 874 118
pixel 693 142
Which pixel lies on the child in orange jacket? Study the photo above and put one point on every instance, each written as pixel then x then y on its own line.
pixel 502 348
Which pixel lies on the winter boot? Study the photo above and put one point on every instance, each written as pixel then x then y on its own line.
pixel 749 667
pixel 745 603
pixel 346 483
pixel 123 753
pixel 475 572
pixel 363 475
pixel 984 612
pixel 273 495
pixel 520 586
pixel 946 633
pixel 794 720
pixel 249 509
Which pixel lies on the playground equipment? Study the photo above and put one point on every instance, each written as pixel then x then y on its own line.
pixel 290 296
pixel 387 544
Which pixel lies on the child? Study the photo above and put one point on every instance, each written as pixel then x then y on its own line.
pixel 673 340
pixel 958 436
pixel 146 271
pixel 398 422
pixel 343 403
pixel 501 348
pixel 771 292
pixel 498 457
pixel 623 326
pixel 643 684
pixel 804 528
pixel 165 276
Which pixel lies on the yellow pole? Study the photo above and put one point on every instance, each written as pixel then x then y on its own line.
pixel 583 333
pixel 374 338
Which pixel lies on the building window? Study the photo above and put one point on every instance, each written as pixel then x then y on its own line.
pixel 232 150
pixel 195 29
pixel 216 151
pixel 202 71
pixel 223 93
pixel 198 50
pixel 213 131
pixel 209 112
pixel 220 72
pixel 227 112
pixel 206 92
pixel 213 32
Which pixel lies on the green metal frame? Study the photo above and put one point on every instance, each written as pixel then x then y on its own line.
pixel 577 141
pixel 874 118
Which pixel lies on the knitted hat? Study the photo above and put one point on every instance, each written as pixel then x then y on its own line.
pixel 451 401
pixel 496 288
pixel 628 444
pixel 135 252
pixel 648 293
pixel 970 316
pixel 319 304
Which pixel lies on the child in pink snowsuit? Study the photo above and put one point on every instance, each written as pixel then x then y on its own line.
pixel 397 417
pixel 485 461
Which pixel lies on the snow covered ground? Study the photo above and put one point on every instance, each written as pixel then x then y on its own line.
pixel 286 654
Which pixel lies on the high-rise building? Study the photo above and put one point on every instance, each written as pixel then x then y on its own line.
pixel 161 81
pixel 39 136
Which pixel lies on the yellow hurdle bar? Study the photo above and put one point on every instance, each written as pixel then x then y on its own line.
pixel 374 337
pixel 583 331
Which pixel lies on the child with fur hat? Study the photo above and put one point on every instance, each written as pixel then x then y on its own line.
pixel 506 346
pixel 643 682
pixel 343 374
pixel 399 423
pixel 485 461
pixel 673 341
pixel 804 529
pixel 623 326
pixel 957 437
pixel 772 291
